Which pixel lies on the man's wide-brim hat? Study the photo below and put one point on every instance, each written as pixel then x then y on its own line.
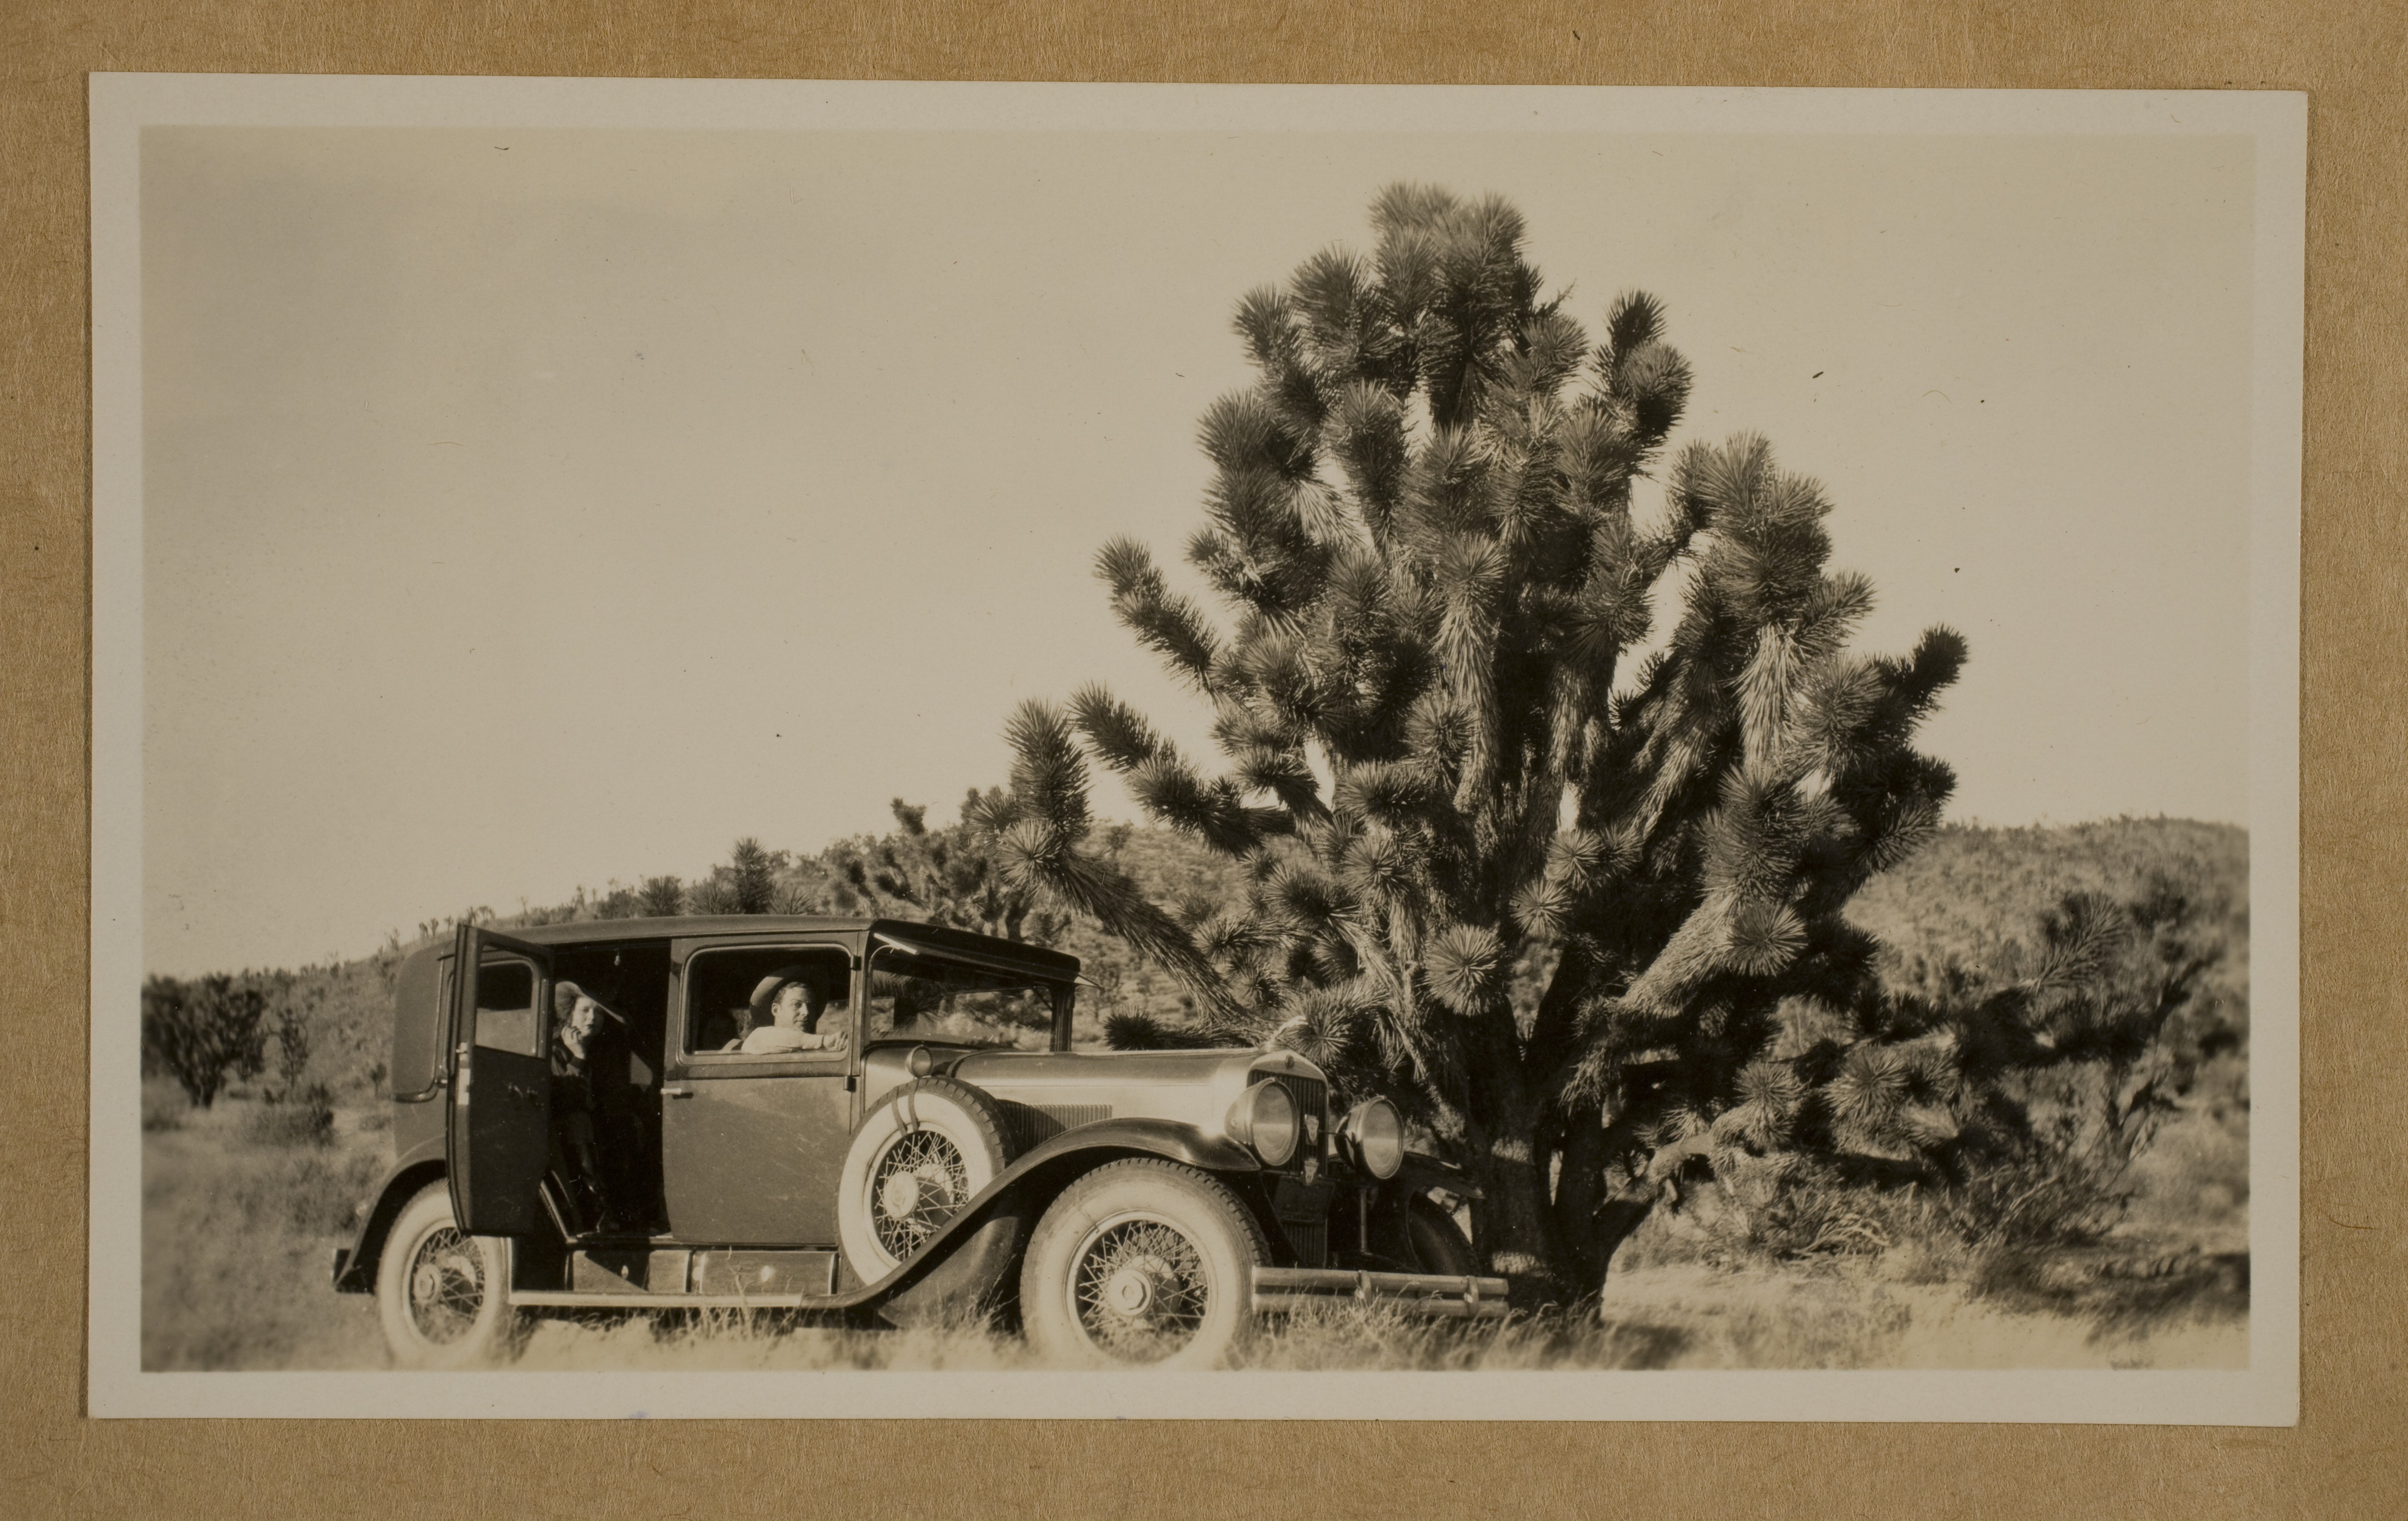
pixel 765 992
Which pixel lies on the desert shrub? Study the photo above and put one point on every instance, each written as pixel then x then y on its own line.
pixel 951 875
pixel 204 1033
pixel 299 1119
pixel 2028 1069
pixel 164 1107
pixel 235 1237
pixel 327 1191
pixel 293 1021
pixel 315 1191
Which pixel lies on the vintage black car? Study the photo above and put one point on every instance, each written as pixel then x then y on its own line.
pixel 863 1119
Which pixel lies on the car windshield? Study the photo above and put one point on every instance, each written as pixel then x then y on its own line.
pixel 918 995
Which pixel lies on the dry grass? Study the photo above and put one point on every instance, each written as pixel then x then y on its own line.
pixel 236 1237
pixel 238 1225
pixel 1836 1315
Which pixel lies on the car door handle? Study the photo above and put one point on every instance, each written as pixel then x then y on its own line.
pixel 679 1092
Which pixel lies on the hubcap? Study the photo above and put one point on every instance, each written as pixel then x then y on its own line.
pixel 447 1285
pixel 1129 1291
pixel 1140 1288
pixel 915 1188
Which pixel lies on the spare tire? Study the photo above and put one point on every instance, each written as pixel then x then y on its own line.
pixel 924 1151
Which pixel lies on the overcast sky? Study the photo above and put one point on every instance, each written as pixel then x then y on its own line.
pixel 531 510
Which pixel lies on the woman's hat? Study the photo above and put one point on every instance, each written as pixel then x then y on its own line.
pixel 565 995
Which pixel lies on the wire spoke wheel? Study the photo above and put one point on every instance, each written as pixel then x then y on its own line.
pixel 442 1295
pixel 447 1285
pixel 1142 1262
pixel 921 1182
pixel 1140 1288
pixel 918 1160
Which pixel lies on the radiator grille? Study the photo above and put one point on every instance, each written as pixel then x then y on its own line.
pixel 1312 1098
pixel 1308 1241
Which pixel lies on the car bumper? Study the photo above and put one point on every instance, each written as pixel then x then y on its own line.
pixel 1283 1290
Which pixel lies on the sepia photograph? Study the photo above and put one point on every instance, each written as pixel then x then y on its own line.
pixel 795 748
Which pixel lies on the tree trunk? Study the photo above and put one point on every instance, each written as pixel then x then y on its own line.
pixel 1579 1193
pixel 1555 1031
pixel 1501 1121
pixel 1622 1213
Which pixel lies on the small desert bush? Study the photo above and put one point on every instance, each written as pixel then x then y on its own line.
pixel 293 1119
pixel 312 1192
pixel 164 1106
pixel 2124 1246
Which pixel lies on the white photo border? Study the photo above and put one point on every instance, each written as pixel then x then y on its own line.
pixel 2266 1393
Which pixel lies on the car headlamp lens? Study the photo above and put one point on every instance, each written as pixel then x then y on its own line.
pixel 1376 1132
pixel 1265 1118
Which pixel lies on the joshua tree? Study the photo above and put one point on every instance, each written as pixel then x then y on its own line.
pixel 205 1033
pixel 295 1008
pixel 752 877
pixel 747 882
pixel 1561 902
pixel 943 876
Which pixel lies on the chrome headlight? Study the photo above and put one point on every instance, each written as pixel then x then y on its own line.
pixel 1264 1117
pixel 1375 1135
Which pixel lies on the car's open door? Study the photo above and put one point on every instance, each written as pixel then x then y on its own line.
pixel 500 1121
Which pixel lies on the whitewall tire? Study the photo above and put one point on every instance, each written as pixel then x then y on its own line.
pixel 1142 1263
pixel 442 1296
pixel 924 1151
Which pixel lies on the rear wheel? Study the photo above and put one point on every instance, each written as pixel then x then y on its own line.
pixel 1141 1263
pixel 443 1295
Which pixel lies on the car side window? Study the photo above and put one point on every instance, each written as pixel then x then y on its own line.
pixel 748 1003
pixel 508 1016
pixel 930 1000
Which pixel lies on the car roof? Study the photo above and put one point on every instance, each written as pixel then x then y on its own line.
pixel 933 937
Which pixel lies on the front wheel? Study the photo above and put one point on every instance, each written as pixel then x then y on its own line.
pixel 443 1297
pixel 1141 1263
pixel 1438 1247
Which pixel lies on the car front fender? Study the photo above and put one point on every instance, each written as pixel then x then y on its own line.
pixel 355 1268
pixel 1029 1181
pixel 1173 1139
pixel 1424 1171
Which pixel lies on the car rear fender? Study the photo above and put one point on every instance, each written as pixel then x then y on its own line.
pixel 355 1270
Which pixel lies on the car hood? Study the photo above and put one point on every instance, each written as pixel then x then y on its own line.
pixel 1066 1089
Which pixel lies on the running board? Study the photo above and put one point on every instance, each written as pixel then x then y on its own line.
pixel 567 1300
pixel 1284 1290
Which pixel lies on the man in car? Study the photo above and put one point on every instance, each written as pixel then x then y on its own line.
pixel 793 1007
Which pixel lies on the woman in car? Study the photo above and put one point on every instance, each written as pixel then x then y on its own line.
pixel 574 1159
